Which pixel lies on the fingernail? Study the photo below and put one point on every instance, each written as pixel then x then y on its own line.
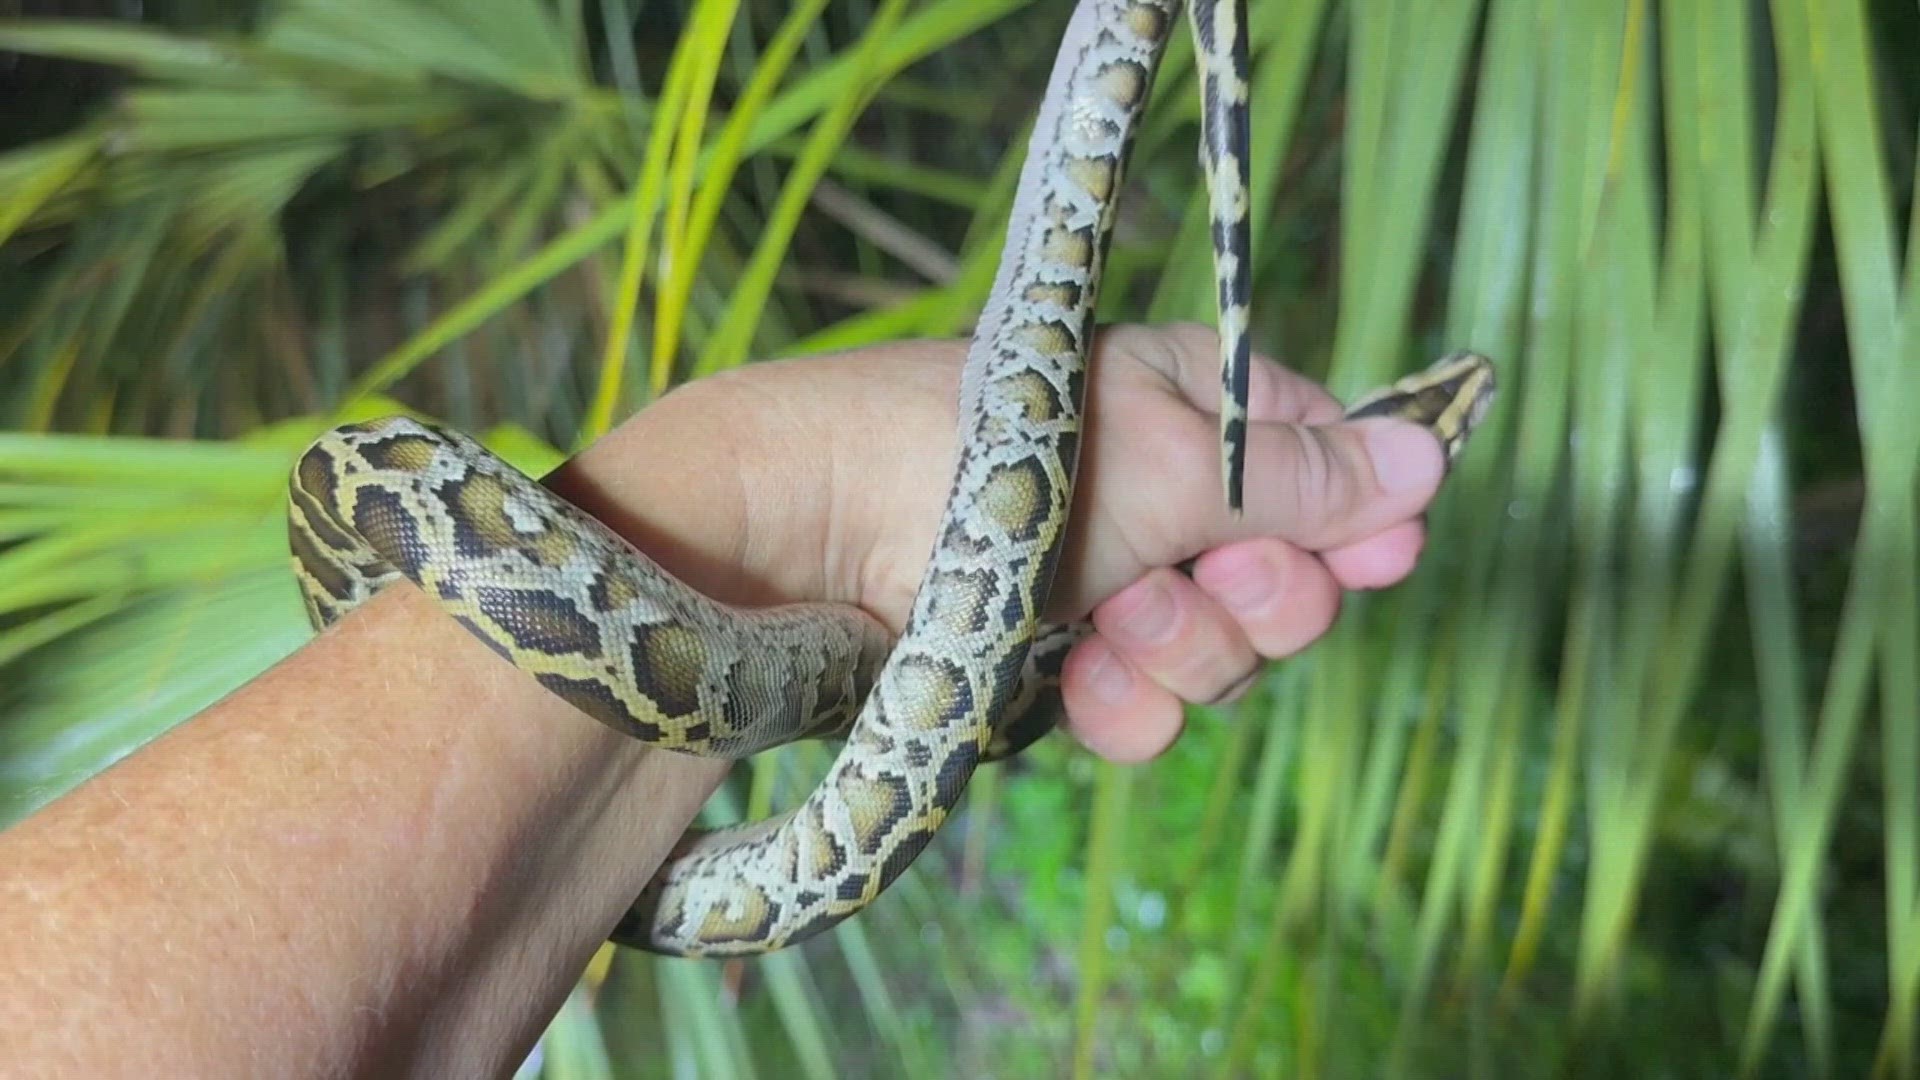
pixel 1111 679
pixel 1147 614
pixel 1404 457
pixel 1247 583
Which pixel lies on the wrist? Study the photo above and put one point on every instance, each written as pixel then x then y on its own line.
pixel 676 485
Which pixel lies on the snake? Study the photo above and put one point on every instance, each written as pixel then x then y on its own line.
pixel 973 676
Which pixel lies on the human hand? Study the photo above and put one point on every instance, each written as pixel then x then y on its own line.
pixel 261 825
pixel 824 478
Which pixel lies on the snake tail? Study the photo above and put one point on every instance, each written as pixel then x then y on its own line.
pixel 1220 44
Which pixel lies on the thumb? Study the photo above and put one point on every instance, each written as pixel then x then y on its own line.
pixel 1324 486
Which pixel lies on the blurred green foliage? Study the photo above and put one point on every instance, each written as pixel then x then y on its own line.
pixel 1625 781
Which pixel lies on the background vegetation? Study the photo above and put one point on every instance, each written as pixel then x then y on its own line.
pixel 1626 781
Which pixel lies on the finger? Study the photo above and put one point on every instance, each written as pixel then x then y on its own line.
pixel 1329 485
pixel 1380 560
pixel 1312 478
pixel 1188 356
pixel 1113 710
pixel 1319 487
pixel 1172 632
pixel 1281 598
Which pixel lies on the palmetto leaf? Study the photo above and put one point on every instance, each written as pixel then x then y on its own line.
pixel 1575 789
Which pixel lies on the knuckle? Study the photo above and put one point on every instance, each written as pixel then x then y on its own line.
pixel 1195 340
pixel 1181 353
pixel 1316 471
pixel 1212 658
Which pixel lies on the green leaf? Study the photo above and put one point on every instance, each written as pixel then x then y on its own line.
pixel 33 174
pixel 157 54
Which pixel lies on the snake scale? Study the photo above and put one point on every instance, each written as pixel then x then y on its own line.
pixel 973 675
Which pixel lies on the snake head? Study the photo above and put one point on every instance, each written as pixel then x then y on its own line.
pixel 1450 398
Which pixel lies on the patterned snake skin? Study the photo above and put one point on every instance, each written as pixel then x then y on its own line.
pixel 974 674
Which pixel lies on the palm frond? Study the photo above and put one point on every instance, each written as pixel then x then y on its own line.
pixel 1595 791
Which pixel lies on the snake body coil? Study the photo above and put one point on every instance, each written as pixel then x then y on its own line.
pixel 556 593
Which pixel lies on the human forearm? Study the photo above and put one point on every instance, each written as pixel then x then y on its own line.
pixel 390 851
